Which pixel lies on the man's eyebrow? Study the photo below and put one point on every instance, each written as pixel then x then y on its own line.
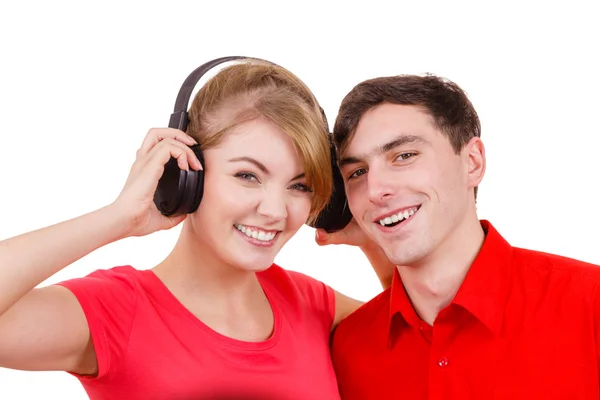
pixel 396 142
pixel 348 160
pixel 253 161
pixel 261 166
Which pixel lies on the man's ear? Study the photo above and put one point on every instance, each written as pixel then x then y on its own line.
pixel 474 153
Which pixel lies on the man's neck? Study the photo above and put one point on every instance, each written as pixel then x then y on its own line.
pixel 432 284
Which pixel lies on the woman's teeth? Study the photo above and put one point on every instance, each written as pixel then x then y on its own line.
pixel 255 233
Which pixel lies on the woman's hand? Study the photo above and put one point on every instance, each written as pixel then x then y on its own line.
pixel 135 203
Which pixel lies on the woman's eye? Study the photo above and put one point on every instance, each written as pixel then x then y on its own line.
pixel 246 176
pixel 301 187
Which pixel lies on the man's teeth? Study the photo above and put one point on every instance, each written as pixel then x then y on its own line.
pixel 392 219
pixel 256 233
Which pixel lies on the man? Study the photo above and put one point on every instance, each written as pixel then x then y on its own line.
pixel 467 315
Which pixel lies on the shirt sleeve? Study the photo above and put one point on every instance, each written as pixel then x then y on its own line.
pixel 596 318
pixel 108 299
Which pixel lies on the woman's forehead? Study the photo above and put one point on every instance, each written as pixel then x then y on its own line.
pixel 263 143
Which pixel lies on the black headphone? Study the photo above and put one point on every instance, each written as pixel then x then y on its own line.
pixel 180 192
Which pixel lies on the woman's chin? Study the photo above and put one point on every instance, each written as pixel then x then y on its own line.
pixel 255 266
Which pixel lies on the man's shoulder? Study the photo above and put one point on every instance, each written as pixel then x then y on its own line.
pixel 577 277
pixel 551 262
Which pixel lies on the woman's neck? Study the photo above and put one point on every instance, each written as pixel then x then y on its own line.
pixel 227 299
pixel 194 269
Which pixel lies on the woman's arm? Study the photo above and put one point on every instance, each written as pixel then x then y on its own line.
pixel 46 329
pixel 384 269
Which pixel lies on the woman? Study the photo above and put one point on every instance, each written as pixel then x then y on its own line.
pixel 216 318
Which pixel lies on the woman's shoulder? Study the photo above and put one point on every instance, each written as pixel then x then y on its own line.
pixel 124 276
pixel 295 285
pixel 110 288
pixel 115 272
pixel 280 275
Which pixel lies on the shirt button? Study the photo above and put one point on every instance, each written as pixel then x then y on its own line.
pixel 443 362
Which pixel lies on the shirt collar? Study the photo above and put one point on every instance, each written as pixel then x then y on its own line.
pixel 483 292
pixel 401 313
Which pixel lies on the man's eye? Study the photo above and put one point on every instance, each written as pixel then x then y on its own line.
pixel 357 173
pixel 405 156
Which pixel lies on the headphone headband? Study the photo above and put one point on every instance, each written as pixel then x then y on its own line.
pixel 181 191
pixel 179 117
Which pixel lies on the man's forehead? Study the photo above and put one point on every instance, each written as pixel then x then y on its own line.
pixel 387 123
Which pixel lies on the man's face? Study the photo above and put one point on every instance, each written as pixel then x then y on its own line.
pixel 406 186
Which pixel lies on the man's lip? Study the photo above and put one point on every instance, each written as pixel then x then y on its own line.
pixel 389 214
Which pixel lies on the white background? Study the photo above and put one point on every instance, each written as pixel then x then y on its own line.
pixel 82 82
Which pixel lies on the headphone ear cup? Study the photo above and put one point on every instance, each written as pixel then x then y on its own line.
pixel 194 189
pixel 170 188
pixel 336 215
pixel 179 191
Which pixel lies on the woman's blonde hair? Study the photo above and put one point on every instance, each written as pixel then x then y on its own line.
pixel 245 91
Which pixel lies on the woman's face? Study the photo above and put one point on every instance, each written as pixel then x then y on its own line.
pixel 255 196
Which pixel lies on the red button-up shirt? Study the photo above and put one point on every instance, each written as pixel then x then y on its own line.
pixel 524 325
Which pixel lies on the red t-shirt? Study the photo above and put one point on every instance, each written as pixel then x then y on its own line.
pixel 149 346
pixel 523 325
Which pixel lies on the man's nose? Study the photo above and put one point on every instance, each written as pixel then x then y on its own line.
pixel 380 185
